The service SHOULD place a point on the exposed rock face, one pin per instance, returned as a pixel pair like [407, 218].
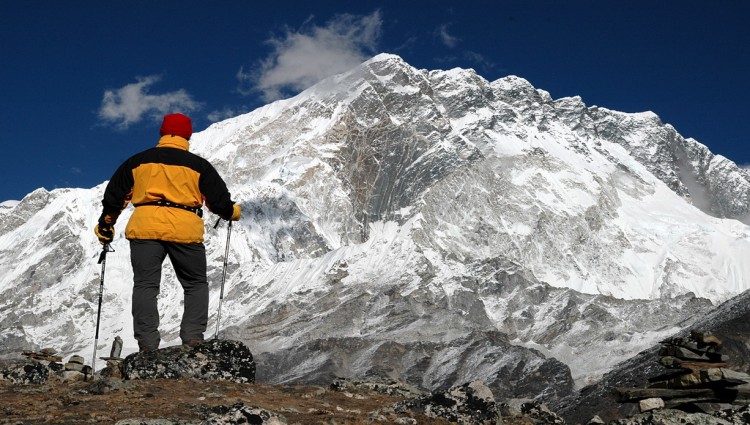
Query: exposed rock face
[729, 323]
[511, 371]
[211, 360]
[698, 381]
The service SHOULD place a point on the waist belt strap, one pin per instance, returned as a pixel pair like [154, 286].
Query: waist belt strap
[165, 203]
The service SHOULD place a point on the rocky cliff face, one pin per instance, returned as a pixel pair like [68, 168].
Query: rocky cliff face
[729, 322]
[426, 225]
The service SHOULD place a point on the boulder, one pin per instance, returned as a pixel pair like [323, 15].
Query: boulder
[241, 414]
[213, 360]
[26, 372]
[380, 385]
[471, 403]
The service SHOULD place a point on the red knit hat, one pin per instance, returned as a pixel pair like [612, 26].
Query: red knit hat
[178, 125]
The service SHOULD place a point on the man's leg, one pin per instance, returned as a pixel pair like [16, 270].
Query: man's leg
[146, 257]
[189, 262]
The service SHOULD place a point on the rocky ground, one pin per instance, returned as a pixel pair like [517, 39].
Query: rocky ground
[214, 383]
[193, 401]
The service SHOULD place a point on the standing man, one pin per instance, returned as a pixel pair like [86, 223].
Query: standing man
[168, 186]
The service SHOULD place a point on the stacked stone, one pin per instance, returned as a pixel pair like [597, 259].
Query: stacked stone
[46, 357]
[114, 361]
[46, 354]
[699, 379]
[44, 365]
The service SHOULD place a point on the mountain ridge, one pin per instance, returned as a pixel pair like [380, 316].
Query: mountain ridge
[388, 205]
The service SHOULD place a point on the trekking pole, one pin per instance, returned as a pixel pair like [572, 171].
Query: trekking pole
[223, 275]
[103, 261]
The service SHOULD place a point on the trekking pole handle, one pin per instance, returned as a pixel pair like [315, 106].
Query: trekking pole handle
[105, 249]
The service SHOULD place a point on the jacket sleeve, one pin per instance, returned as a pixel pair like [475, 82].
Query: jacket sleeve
[117, 194]
[212, 186]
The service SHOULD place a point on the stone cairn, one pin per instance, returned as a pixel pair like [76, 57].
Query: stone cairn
[114, 361]
[46, 364]
[698, 379]
[43, 365]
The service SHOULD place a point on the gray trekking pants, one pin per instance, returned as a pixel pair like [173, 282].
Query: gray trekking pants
[189, 262]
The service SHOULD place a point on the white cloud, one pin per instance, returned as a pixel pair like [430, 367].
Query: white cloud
[222, 114]
[479, 59]
[302, 58]
[447, 39]
[131, 103]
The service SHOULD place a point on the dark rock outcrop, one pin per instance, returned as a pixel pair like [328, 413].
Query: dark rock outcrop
[470, 403]
[240, 414]
[27, 372]
[213, 360]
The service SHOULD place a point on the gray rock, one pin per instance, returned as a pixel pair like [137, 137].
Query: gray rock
[25, 372]
[541, 414]
[649, 404]
[105, 386]
[70, 376]
[468, 403]
[77, 367]
[739, 416]
[383, 386]
[241, 414]
[672, 417]
[75, 362]
[76, 359]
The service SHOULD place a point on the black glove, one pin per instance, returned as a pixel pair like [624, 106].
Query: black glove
[105, 233]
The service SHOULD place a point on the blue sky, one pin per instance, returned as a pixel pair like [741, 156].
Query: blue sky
[84, 84]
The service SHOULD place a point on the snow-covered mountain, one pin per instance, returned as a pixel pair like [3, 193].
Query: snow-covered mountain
[426, 225]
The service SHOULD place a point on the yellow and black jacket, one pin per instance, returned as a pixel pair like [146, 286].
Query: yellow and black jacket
[170, 173]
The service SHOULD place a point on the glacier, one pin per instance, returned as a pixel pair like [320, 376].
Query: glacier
[425, 225]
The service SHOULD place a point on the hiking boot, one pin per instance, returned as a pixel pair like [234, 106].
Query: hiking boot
[143, 348]
[191, 343]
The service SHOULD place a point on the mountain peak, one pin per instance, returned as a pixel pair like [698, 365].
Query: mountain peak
[384, 57]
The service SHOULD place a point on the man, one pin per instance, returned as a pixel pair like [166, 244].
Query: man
[168, 186]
